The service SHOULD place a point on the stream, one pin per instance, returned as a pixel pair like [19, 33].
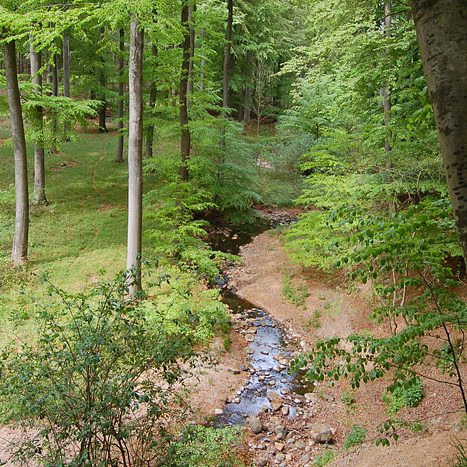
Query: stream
[268, 355]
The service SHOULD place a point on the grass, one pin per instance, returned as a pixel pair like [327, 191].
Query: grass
[294, 293]
[81, 232]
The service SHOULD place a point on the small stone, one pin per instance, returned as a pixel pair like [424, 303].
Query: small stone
[262, 462]
[234, 371]
[249, 338]
[279, 446]
[300, 445]
[264, 351]
[305, 459]
[285, 410]
[218, 412]
[311, 397]
[275, 399]
[255, 425]
[279, 457]
[237, 400]
[280, 432]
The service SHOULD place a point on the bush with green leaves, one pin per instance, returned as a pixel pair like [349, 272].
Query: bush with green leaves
[97, 385]
[325, 458]
[206, 447]
[404, 394]
[356, 437]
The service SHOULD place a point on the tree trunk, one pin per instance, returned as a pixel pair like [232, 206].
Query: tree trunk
[20, 241]
[442, 36]
[102, 112]
[55, 90]
[385, 90]
[186, 136]
[121, 94]
[66, 78]
[247, 106]
[227, 54]
[152, 103]
[135, 156]
[38, 122]
[202, 63]
[192, 12]
[66, 66]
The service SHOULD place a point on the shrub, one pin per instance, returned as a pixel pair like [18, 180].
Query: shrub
[205, 447]
[96, 387]
[325, 458]
[356, 436]
[404, 394]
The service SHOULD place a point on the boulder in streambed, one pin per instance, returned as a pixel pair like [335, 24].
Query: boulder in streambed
[321, 433]
[255, 425]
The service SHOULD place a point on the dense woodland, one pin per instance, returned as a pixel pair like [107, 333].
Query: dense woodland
[133, 133]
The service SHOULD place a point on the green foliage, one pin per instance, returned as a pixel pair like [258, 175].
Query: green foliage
[205, 447]
[356, 437]
[295, 294]
[461, 454]
[99, 376]
[325, 458]
[404, 394]
[349, 399]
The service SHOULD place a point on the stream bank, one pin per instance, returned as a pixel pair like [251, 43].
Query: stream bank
[275, 439]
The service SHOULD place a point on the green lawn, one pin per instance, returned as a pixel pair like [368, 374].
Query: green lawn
[81, 232]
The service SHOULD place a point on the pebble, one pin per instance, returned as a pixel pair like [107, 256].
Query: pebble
[218, 412]
[285, 410]
[279, 446]
[279, 457]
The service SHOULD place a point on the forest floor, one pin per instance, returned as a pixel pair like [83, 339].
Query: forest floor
[328, 311]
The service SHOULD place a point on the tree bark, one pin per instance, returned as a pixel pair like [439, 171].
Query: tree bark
[191, 77]
[102, 112]
[227, 55]
[19, 254]
[66, 66]
[55, 91]
[442, 36]
[186, 136]
[385, 91]
[152, 103]
[247, 105]
[121, 94]
[38, 122]
[135, 156]
[202, 63]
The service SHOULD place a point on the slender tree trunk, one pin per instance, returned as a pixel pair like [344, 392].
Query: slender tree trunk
[66, 78]
[102, 112]
[20, 241]
[38, 121]
[227, 55]
[152, 103]
[192, 12]
[442, 35]
[135, 156]
[66, 66]
[247, 106]
[202, 62]
[184, 121]
[55, 91]
[385, 90]
[121, 91]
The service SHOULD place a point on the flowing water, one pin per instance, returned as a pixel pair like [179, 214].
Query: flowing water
[268, 354]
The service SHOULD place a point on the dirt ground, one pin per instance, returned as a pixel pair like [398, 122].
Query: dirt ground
[260, 280]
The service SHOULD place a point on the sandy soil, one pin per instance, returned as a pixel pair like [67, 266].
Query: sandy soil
[260, 279]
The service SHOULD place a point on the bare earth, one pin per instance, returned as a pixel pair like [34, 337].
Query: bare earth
[259, 279]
